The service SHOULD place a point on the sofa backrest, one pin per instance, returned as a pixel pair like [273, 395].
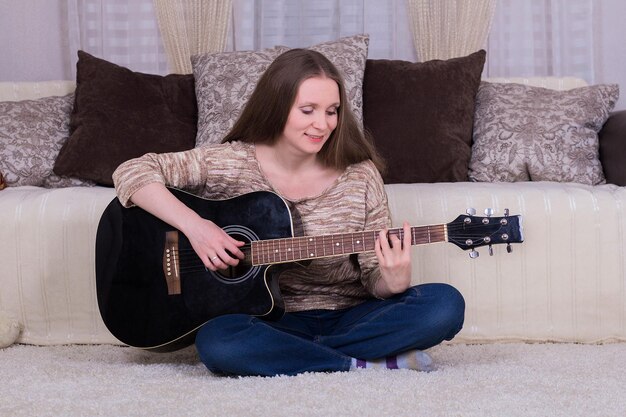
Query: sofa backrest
[31, 90]
[553, 83]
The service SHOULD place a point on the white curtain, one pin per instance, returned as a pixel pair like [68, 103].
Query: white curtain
[542, 38]
[259, 24]
[121, 31]
[190, 27]
[583, 38]
[444, 29]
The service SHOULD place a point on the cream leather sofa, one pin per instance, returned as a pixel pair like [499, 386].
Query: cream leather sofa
[566, 282]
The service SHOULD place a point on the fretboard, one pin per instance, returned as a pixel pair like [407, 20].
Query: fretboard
[293, 249]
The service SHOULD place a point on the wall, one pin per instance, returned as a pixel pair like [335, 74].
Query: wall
[31, 45]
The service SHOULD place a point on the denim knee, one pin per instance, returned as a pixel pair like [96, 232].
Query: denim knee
[446, 307]
[215, 343]
[452, 307]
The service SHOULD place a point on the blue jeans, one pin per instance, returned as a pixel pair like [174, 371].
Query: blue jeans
[327, 340]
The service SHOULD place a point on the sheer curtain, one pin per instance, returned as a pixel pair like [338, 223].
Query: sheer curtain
[121, 31]
[542, 38]
[295, 23]
[527, 38]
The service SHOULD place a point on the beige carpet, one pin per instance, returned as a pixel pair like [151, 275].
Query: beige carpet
[470, 380]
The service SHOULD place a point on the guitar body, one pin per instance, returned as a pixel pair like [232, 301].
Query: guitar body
[133, 295]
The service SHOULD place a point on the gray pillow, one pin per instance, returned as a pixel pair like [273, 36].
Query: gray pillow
[225, 81]
[524, 133]
[31, 135]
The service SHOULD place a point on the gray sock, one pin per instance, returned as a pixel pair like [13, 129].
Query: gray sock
[413, 359]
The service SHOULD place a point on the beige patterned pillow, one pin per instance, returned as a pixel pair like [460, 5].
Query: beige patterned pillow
[31, 135]
[524, 133]
[225, 81]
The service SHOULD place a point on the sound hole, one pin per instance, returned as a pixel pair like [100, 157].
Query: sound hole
[244, 269]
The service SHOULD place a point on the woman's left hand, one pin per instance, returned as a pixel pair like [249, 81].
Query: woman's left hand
[394, 258]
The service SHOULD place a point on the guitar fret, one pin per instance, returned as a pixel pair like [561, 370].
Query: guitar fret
[258, 245]
[289, 249]
[270, 251]
[300, 255]
[284, 252]
[267, 252]
[279, 252]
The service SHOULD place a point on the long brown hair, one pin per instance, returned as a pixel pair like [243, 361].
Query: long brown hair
[264, 117]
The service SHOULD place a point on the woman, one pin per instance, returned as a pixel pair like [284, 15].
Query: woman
[298, 138]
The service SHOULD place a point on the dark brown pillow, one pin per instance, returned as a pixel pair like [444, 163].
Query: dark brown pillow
[421, 116]
[119, 114]
[613, 148]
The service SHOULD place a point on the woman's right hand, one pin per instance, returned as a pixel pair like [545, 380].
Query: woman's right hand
[216, 248]
[212, 244]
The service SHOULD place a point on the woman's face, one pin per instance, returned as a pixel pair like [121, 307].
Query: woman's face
[313, 116]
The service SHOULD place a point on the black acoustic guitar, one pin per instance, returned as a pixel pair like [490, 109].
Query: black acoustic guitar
[154, 292]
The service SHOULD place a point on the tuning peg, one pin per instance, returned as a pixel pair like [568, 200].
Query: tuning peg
[473, 253]
[490, 250]
[509, 249]
[488, 212]
[471, 211]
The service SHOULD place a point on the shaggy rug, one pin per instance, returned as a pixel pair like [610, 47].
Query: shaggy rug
[470, 380]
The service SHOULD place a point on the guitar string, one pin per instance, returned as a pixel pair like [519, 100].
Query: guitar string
[320, 240]
[188, 256]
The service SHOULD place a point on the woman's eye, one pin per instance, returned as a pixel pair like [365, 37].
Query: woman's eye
[306, 111]
[331, 112]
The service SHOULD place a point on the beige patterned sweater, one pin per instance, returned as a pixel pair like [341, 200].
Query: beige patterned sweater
[355, 202]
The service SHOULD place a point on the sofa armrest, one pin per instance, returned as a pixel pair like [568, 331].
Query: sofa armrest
[613, 148]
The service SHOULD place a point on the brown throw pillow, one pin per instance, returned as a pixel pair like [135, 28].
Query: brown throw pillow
[421, 116]
[119, 114]
[613, 148]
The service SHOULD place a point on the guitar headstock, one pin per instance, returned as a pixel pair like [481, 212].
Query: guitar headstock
[469, 232]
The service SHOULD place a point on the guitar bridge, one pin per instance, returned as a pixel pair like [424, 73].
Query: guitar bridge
[171, 264]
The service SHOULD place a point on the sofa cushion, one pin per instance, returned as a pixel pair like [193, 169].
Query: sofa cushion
[31, 134]
[120, 114]
[421, 115]
[524, 133]
[225, 81]
[613, 148]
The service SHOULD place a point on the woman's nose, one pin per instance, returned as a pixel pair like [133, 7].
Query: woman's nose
[320, 122]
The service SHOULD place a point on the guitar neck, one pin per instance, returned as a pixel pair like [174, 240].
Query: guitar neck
[294, 249]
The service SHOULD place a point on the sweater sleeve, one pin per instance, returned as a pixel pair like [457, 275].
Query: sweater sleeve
[377, 218]
[178, 169]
